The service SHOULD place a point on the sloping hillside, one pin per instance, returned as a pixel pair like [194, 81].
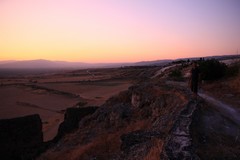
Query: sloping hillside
[157, 118]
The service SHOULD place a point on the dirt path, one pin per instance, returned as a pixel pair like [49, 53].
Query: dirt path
[216, 130]
[163, 70]
[225, 109]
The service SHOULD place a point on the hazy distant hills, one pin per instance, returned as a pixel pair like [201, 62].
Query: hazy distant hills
[46, 64]
[40, 63]
[4, 62]
[157, 62]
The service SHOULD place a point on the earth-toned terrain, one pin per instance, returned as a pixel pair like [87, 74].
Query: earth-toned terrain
[129, 113]
[50, 95]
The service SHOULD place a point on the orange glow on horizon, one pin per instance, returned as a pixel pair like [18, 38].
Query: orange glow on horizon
[106, 31]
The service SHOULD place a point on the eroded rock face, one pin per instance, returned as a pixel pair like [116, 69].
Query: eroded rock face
[21, 138]
[142, 95]
[72, 118]
[119, 113]
[178, 144]
[135, 101]
[109, 117]
[133, 125]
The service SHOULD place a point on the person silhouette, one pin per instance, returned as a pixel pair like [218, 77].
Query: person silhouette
[194, 79]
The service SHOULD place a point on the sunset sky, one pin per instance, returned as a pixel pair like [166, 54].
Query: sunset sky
[117, 30]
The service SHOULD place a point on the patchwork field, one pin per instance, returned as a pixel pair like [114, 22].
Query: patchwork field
[50, 94]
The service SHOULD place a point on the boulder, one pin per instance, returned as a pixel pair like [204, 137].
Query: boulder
[21, 138]
[72, 118]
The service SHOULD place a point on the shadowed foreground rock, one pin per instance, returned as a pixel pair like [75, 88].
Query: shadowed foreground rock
[71, 119]
[21, 138]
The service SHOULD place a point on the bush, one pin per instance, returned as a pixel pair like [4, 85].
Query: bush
[233, 70]
[212, 69]
[176, 74]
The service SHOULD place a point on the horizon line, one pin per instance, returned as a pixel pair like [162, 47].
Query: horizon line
[120, 62]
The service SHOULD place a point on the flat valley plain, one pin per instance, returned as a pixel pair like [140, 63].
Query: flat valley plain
[50, 94]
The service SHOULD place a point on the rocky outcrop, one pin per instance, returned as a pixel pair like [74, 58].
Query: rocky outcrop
[178, 144]
[21, 138]
[132, 125]
[142, 95]
[108, 117]
[154, 119]
[71, 119]
[138, 143]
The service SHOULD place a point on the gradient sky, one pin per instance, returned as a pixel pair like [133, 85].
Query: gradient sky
[117, 30]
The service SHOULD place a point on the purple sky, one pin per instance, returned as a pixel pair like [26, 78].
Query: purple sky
[117, 30]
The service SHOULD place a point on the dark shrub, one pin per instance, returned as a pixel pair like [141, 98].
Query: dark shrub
[212, 69]
[233, 70]
[176, 74]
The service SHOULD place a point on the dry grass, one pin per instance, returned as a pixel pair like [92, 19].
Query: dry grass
[154, 153]
[107, 144]
[235, 83]
[226, 90]
[104, 146]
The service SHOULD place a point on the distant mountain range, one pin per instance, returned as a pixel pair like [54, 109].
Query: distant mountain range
[46, 64]
[40, 63]
[4, 62]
